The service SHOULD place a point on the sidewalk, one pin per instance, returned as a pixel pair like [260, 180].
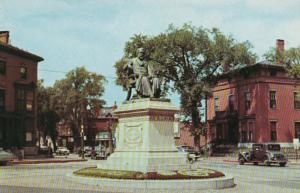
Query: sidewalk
[55, 159]
[235, 160]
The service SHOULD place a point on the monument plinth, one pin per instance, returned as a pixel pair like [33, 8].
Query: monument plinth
[144, 137]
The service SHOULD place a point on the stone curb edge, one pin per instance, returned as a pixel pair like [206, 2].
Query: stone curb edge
[235, 161]
[46, 161]
[197, 184]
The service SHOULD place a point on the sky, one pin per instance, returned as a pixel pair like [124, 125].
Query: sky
[93, 33]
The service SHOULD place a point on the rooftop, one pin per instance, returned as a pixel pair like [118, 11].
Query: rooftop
[5, 46]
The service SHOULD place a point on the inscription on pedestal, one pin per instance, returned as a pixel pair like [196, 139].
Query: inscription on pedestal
[161, 118]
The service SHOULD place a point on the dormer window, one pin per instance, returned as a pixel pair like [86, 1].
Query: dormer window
[273, 72]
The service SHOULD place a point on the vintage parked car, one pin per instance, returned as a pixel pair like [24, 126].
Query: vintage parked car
[263, 153]
[87, 150]
[5, 157]
[62, 151]
[99, 152]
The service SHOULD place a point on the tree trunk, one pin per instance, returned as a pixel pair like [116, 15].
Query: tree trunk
[196, 122]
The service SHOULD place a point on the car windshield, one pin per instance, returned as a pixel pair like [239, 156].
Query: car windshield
[99, 148]
[274, 147]
[257, 146]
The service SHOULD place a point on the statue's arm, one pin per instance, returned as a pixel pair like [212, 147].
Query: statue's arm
[150, 71]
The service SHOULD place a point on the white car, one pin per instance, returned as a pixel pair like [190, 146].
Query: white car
[62, 151]
[5, 157]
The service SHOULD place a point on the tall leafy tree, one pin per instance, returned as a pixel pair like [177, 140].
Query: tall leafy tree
[47, 116]
[190, 59]
[289, 57]
[74, 94]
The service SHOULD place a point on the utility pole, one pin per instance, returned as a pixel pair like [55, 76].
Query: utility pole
[82, 139]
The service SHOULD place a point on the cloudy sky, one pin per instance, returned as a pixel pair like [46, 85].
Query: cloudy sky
[70, 33]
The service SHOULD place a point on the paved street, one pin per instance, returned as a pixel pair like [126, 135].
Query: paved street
[48, 178]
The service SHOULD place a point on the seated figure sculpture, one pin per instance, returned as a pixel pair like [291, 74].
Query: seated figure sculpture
[141, 77]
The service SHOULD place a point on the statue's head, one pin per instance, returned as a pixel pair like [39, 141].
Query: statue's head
[140, 53]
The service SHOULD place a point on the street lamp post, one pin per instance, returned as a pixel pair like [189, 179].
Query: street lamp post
[82, 138]
[83, 111]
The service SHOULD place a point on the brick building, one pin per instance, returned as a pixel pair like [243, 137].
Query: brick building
[101, 128]
[97, 131]
[258, 103]
[65, 136]
[18, 109]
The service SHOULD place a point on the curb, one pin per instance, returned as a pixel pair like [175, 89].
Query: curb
[236, 161]
[197, 184]
[230, 161]
[46, 161]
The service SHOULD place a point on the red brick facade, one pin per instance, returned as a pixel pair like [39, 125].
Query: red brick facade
[18, 109]
[258, 103]
[98, 130]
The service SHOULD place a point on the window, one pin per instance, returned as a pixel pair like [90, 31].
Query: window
[28, 136]
[2, 99]
[244, 136]
[273, 72]
[297, 130]
[23, 72]
[220, 134]
[20, 100]
[247, 100]
[24, 100]
[216, 104]
[29, 101]
[2, 67]
[231, 103]
[273, 125]
[272, 95]
[297, 100]
[250, 131]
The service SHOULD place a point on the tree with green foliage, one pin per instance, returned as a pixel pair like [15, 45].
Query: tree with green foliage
[47, 118]
[189, 59]
[74, 94]
[289, 57]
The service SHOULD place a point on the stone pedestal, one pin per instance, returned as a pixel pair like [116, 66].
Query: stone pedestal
[144, 138]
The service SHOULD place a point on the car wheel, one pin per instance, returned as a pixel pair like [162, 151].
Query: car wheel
[282, 164]
[266, 161]
[241, 161]
[255, 163]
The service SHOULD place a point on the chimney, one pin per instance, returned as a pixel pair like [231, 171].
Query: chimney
[280, 50]
[4, 37]
[280, 45]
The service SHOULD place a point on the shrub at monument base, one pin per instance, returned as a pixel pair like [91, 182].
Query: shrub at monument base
[199, 173]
